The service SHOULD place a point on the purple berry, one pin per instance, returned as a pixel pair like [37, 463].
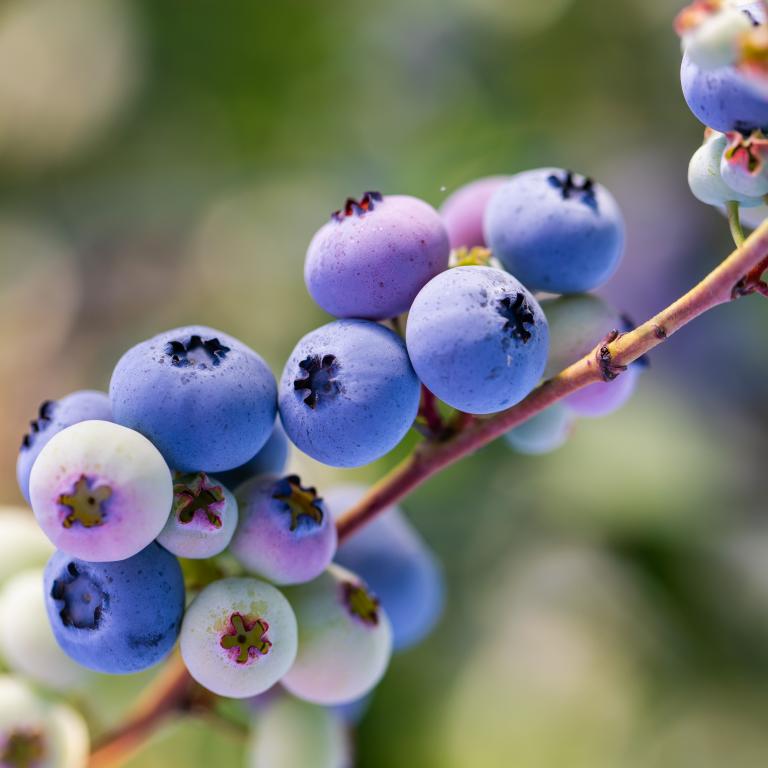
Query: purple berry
[464, 209]
[205, 399]
[52, 417]
[285, 533]
[100, 491]
[270, 460]
[603, 397]
[373, 256]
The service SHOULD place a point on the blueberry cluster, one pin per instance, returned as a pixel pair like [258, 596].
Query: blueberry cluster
[725, 48]
[168, 501]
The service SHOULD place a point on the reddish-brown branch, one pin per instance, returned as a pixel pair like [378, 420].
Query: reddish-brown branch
[430, 415]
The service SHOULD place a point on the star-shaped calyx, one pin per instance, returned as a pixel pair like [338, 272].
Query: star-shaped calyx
[517, 313]
[302, 503]
[82, 598]
[318, 380]
[196, 351]
[246, 639]
[354, 207]
[40, 424]
[747, 152]
[572, 185]
[195, 496]
[86, 503]
[22, 748]
[360, 603]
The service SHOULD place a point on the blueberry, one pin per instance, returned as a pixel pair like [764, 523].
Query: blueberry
[577, 324]
[477, 339]
[285, 533]
[100, 491]
[373, 256]
[345, 639]
[22, 544]
[118, 617]
[544, 433]
[603, 397]
[723, 98]
[239, 637]
[348, 393]
[203, 517]
[396, 563]
[463, 211]
[555, 231]
[205, 399]
[290, 733]
[27, 644]
[52, 417]
[270, 460]
[36, 732]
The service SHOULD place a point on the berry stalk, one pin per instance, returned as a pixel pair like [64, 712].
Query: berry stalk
[739, 274]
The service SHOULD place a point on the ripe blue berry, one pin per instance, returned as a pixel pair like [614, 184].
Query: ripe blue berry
[239, 637]
[374, 255]
[52, 417]
[396, 563]
[348, 393]
[543, 433]
[118, 617]
[464, 209]
[285, 533]
[22, 544]
[477, 339]
[345, 639]
[270, 460]
[555, 231]
[205, 399]
[203, 517]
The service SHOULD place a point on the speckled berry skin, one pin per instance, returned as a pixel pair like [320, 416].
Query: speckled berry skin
[463, 211]
[118, 617]
[52, 417]
[555, 231]
[545, 432]
[239, 637]
[394, 560]
[270, 460]
[285, 533]
[477, 339]
[603, 397]
[348, 393]
[100, 492]
[723, 98]
[205, 399]
[345, 639]
[203, 517]
[373, 256]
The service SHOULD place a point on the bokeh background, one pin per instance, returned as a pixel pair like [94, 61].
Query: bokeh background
[167, 163]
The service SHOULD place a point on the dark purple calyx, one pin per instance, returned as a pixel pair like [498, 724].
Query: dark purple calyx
[40, 424]
[23, 748]
[517, 313]
[303, 504]
[195, 496]
[246, 640]
[86, 503]
[572, 185]
[354, 207]
[83, 599]
[361, 604]
[319, 379]
[196, 351]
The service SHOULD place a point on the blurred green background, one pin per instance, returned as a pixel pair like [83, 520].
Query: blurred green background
[167, 163]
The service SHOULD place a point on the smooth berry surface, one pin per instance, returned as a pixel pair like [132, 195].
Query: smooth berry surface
[52, 417]
[270, 460]
[239, 637]
[205, 399]
[603, 397]
[22, 544]
[203, 517]
[397, 564]
[463, 211]
[555, 231]
[100, 491]
[118, 617]
[545, 432]
[348, 393]
[345, 639]
[285, 532]
[373, 256]
[477, 339]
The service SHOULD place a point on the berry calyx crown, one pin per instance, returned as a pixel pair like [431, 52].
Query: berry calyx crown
[196, 351]
[360, 603]
[319, 379]
[304, 505]
[246, 640]
[354, 207]
[195, 496]
[40, 424]
[517, 313]
[86, 503]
